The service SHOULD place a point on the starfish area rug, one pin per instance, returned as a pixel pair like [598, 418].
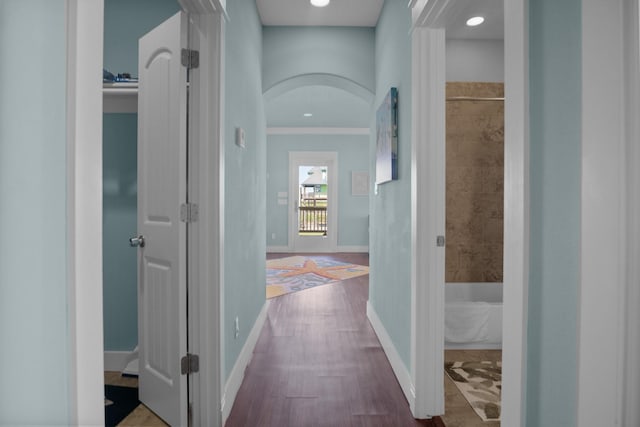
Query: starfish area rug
[297, 273]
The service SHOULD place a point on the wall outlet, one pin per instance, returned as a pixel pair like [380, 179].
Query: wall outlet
[273, 236]
[237, 327]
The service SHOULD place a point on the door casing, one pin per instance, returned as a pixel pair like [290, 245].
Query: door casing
[314, 158]
[84, 227]
[429, 19]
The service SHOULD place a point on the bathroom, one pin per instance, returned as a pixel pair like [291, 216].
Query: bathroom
[474, 211]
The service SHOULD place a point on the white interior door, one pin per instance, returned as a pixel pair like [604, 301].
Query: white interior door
[313, 201]
[162, 185]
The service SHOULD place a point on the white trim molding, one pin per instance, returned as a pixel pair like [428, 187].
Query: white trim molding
[340, 249]
[602, 309]
[206, 188]
[516, 213]
[435, 14]
[315, 79]
[278, 249]
[117, 360]
[237, 373]
[317, 131]
[313, 158]
[631, 392]
[427, 220]
[84, 210]
[353, 249]
[397, 365]
[204, 7]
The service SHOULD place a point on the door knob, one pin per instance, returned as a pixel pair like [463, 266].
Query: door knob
[137, 241]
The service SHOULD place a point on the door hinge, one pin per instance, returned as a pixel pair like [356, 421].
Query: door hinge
[190, 364]
[440, 241]
[189, 212]
[190, 58]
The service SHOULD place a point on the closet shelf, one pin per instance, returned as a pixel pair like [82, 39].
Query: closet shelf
[120, 97]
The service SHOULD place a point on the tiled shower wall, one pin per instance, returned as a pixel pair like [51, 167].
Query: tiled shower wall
[474, 183]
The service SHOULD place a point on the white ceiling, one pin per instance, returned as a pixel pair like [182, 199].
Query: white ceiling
[365, 13]
[491, 29]
[341, 13]
[336, 108]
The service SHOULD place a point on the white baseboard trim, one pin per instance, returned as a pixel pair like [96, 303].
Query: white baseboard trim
[286, 249]
[116, 360]
[399, 369]
[278, 249]
[317, 131]
[237, 373]
[363, 249]
[472, 346]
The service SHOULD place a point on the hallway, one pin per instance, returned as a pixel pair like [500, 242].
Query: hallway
[318, 362]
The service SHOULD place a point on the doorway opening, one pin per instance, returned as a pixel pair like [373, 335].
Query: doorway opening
[313, 202]
[474, 214]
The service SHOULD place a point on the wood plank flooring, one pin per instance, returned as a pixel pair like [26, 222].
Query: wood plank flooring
[318, 362]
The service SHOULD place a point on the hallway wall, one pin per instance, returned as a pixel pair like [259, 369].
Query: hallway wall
[475, 60]
[353, 211]
[245, 169]
[296, 51]
[555, 172]
[34, 330]
[390, 239]
[349, 54]
[119, 223]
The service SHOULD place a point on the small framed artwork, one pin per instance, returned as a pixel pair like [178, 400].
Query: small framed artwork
[387, 138]
[359, 183]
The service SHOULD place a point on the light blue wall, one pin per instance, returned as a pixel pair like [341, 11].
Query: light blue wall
[390, 239]
[34, 342]
[125, 22]
[353, 211]
[120, 176]
[555, 91]
[245, 170]
[295, 51]
[475, 60]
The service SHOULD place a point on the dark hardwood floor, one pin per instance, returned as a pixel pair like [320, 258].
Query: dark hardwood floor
[318, 362]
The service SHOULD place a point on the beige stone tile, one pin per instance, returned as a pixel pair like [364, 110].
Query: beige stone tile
[493, 179]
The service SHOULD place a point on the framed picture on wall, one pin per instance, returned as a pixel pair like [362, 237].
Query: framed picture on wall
[359, 183]
[387, 138]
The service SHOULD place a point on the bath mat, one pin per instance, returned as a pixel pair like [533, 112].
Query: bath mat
[118, 403]
[481, 384]
[297, 273]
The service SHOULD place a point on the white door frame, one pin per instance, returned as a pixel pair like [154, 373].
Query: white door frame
[427, 342]
[608, 315]
[312, 158]
[84, 210]
[85, 20]
[631, 393]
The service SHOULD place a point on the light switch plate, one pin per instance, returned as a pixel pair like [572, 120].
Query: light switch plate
[240, 137]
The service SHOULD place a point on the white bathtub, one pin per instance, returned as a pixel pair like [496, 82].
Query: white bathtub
[473, 316]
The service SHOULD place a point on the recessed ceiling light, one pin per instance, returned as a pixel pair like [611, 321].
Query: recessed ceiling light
[308, 115]
[476, 20]
[320, 3]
